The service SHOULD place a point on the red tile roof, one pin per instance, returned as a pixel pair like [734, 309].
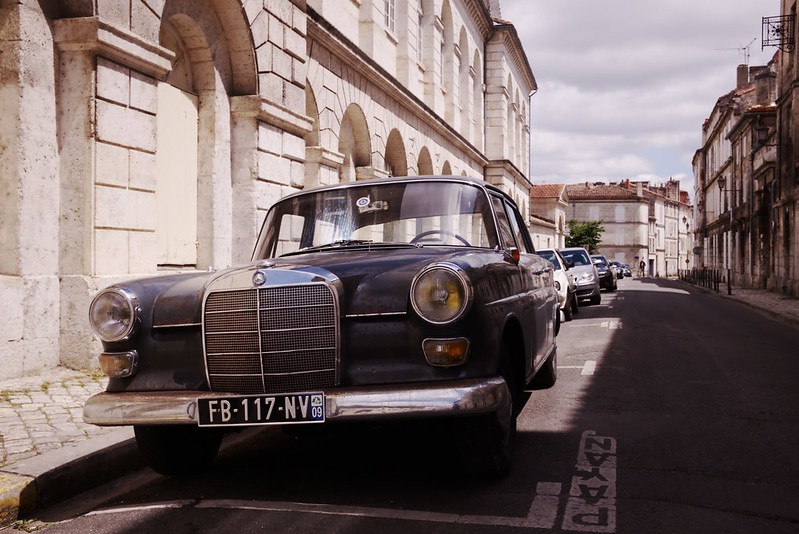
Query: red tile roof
[600, 191]
[546, 191]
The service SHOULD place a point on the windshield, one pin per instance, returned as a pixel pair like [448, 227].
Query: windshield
[414, 213]
[576, 257]
[550, 255]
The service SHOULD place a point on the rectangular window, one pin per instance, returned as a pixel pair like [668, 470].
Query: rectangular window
[420, 17]
[390, 15]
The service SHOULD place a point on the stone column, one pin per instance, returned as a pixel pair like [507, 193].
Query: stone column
[29, 193]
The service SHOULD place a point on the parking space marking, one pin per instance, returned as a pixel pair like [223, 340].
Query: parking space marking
[586, 369]
[613, 324]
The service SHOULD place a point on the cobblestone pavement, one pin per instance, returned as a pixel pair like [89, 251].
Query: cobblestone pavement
[42, 413]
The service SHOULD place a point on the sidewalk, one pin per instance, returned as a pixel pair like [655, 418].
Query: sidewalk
[47, 452]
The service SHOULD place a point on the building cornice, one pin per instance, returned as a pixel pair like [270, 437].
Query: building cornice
[506, 35]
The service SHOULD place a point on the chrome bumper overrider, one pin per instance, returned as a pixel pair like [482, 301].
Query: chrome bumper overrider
[461, 397]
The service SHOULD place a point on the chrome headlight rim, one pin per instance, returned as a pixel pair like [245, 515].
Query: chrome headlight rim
[130, 302]
[462, 278]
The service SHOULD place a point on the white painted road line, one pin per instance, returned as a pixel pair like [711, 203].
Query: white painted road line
[613, 324]
[586, 369]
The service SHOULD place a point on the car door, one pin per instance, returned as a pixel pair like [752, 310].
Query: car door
[540, 297]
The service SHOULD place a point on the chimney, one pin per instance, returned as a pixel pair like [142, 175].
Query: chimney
[743, 76]
[639, 190]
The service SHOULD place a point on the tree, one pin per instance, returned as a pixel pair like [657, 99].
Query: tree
[585, 234]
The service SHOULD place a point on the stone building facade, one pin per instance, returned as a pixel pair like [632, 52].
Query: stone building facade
[550, 202]
[624, 214]
[151, 136]
[642, 221]
[739, 202]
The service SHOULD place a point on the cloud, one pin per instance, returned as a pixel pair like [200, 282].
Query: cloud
[624, 87]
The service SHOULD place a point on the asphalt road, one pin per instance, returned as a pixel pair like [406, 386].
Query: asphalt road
[674, 411]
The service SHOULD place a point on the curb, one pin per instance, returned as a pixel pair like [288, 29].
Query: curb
[56, 475]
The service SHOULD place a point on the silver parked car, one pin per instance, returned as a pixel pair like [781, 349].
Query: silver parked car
[564, 282]
[585, 274]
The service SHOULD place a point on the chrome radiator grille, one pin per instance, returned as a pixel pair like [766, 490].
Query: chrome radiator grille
[272, 339]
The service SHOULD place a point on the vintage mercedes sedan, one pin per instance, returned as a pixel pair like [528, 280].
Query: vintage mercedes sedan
[375, 300]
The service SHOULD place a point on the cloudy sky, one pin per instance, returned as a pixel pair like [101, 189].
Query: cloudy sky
[624, 85]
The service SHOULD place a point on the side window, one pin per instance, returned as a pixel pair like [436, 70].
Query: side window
[517, 225]
[505, 231]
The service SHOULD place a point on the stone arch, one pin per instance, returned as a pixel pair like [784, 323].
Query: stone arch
[425, 162]
[222, 46]
[353, 143]
[446, 169]
[396, 158]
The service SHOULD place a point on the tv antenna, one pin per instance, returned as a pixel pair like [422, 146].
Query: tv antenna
[743, 50]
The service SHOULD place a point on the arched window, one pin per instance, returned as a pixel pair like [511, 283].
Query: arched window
[353, 143]
[478, 110]
[396, 160]
[425, 162]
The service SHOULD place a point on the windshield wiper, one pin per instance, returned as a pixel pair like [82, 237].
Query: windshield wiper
[345, 243]
[338, 244]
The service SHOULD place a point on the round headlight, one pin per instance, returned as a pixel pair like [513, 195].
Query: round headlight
[113, 314]
[441, 293]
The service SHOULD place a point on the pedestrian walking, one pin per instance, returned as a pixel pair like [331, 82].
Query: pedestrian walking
[642, 268]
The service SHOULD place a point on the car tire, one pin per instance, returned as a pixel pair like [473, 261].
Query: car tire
[568, 311]
[177, 449]
[486, 442]
[547, 376]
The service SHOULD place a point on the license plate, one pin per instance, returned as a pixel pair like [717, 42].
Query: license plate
[262, 409]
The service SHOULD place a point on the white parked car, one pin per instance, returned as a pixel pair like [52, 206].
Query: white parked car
[564, 282]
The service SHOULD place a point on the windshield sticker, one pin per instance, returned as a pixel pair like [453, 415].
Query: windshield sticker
[365, 205]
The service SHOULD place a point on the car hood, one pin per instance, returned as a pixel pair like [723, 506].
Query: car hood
[369, 282]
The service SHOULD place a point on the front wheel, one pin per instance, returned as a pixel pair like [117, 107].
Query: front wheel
[177, 449]
[486, 442]
[568, 309]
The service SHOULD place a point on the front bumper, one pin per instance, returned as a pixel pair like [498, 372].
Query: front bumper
[453, 398]
[588, 290]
